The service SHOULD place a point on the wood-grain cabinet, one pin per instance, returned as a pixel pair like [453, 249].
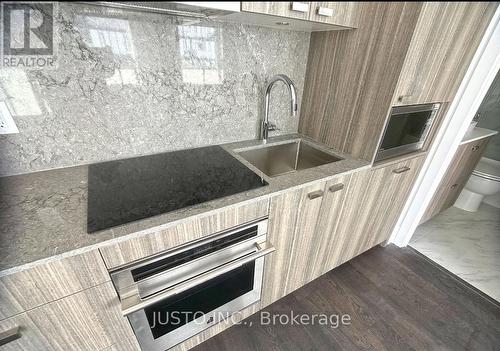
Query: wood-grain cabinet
[401, 53]
[444, 41]
[291, 229]
[88, 320]
[64, 304]
[374, 201]
[461, 167]
[351, 76]
[317, 228]
[43, 283]
[337, 13]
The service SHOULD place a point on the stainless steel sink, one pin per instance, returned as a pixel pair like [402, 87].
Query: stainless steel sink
[277, 159]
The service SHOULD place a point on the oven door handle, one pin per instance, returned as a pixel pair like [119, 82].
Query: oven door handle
[134, 303]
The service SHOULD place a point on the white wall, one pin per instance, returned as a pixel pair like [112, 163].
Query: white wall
[490, 118]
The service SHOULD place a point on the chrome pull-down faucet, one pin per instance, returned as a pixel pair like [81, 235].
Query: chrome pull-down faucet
[266, 126]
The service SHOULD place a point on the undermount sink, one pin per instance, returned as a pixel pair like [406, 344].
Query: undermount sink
[278, 159]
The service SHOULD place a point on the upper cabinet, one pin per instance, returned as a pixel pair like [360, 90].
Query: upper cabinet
[445, 39]
[318, 14]
[351, 76]
[401, 53]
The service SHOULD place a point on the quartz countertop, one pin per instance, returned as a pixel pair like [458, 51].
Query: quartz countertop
[476, 134]
[43, 215]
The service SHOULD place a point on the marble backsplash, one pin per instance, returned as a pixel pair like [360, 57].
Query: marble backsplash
[131, 83]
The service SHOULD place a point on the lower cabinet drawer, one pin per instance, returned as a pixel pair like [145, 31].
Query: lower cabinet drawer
[50, 281]
[88, 320]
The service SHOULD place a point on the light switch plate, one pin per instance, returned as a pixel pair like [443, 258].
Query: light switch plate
[7, 124]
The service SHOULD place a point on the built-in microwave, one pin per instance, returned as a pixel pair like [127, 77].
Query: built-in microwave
[406, 130]
[172, 296]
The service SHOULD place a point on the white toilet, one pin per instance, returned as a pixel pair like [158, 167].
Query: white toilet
[484, 181]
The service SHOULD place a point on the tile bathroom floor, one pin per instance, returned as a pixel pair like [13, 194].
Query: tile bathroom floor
[465, 243]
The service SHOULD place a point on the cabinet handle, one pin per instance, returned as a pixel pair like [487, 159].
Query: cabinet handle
[475, 147]
[401, 170]
[336, 187]
[453, 186]
[9, 335]
[325, 11]
[300, 6]
[315, 194]
[402, 97]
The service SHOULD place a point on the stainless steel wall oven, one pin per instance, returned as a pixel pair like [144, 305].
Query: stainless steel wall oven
[176, 294]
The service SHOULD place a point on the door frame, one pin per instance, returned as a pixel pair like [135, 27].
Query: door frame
[480, 74]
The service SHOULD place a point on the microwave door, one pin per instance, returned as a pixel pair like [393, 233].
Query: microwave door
[406, 130]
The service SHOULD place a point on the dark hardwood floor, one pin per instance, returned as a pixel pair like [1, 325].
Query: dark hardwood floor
[396, 299]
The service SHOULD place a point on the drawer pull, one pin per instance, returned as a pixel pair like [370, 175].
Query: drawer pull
[9, 335]
[336, 187]
[403, 97]
[475, 147]
[325, 11]
[300, 6]
[401, 170]
[315, 194]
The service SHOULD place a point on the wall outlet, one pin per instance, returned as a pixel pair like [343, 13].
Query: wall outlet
[7, 124]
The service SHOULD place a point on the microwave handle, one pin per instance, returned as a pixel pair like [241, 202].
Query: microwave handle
[134, 303]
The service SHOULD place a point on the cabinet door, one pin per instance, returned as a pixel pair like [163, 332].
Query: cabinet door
[373, 202]
[88, 320]
[290, 9]
[397, 182]
[329, 222]
[341, 13]
[292, 223]
[362, 193]
[443, 44]
[461, 167]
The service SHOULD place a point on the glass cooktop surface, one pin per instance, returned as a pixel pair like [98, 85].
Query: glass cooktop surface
[127, 190]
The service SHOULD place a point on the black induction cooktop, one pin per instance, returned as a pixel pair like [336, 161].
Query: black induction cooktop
[131, 189]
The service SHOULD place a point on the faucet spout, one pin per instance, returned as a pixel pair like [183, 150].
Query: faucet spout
[265, 125]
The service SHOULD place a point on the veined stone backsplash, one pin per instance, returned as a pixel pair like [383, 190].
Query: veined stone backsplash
[131, 83]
